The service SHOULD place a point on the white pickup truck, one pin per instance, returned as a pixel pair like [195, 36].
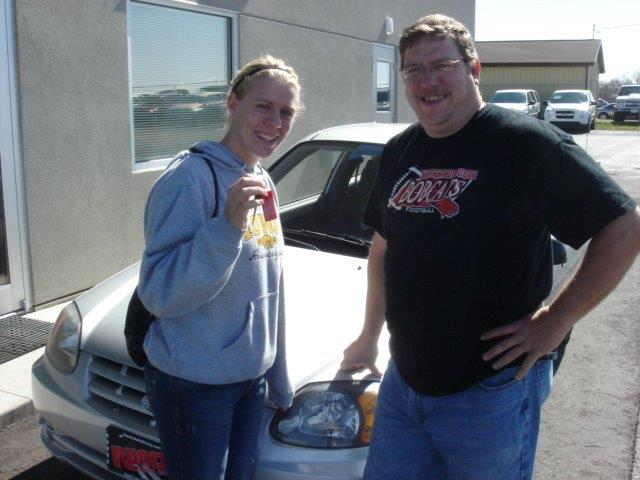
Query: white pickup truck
[627, 104]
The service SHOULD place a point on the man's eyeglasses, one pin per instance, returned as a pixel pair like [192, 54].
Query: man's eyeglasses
[436, 69]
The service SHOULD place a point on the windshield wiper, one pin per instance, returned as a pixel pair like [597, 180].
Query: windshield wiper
[353, 238]
[347, 239]
[299, 243]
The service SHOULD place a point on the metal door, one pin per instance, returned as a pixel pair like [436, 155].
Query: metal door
[12, 262]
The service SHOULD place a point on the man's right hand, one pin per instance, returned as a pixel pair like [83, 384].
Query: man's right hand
[361, 354]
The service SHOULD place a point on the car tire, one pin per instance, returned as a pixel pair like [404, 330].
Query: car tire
[603, 116]
[618, 117]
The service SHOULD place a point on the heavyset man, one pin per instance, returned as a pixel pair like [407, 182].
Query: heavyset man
[463, 208]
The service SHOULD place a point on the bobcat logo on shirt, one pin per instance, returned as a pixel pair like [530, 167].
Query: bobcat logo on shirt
[430, 190]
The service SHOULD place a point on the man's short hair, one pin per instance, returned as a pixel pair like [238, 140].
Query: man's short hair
[439, 27]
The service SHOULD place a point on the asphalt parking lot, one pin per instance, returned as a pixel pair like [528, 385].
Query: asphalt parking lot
[590, 423]
[619, 154]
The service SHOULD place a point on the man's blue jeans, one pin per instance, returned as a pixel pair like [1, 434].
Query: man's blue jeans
[487, 432]
[206, 431]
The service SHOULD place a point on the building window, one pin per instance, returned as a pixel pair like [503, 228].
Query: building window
[181, 64]
[383, 87]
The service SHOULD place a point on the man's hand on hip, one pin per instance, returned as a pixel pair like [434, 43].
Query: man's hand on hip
[533, 336]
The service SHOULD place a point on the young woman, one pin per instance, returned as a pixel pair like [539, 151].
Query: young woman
[211, 273]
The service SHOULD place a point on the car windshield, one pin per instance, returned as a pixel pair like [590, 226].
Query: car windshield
[323, 188]
[509, 97]
[569, 97]
[628, 90]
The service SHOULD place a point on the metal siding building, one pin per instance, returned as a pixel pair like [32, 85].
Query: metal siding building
[78, 191]
[543, 65]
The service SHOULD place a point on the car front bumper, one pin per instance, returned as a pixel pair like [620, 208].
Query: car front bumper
[74, 430]
[568, 123]
[628, 114]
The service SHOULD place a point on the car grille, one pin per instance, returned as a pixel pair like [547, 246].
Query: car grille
[569, 114]
[633, 104]
[120, 388]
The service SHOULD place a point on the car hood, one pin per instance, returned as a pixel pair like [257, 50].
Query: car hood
[325, 300]
[513, 106]
[570, 106]
[631, 96]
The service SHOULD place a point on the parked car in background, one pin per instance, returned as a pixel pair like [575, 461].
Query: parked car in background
[627, 103]
[525, 101]
[175, 91]
[147, 110]
[606, 111]
[572, 108]
[601, 102]
[209, 89]
[91, 399]
[183, 110]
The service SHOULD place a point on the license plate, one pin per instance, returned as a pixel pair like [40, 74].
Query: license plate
[128, 454]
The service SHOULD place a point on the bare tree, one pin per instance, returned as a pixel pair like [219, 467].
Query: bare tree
[609, 90]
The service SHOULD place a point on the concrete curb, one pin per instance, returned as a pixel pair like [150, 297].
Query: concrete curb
[15, 388]
[20, 412]
[15, 375]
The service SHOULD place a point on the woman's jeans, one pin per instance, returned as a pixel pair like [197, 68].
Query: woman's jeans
[487, 432]
[206, 431]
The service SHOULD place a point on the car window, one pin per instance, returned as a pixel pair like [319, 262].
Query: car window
[508, 97]
[323, 188]
[628, 90]
[307, 171]
[569, 97]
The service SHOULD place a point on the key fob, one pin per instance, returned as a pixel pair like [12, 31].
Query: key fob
[269, 209]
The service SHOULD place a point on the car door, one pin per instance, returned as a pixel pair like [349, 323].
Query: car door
[533, 106]
[592, 106]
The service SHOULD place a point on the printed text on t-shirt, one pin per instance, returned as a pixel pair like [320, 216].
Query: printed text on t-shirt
[431, 190]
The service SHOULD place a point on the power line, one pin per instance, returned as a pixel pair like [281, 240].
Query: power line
[517, 6]
[612, 27]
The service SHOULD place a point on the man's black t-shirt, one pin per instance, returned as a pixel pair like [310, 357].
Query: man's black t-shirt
[467, 220]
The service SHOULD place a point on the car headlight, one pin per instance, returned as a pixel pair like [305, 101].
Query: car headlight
[336, 414]
[64, 342]
[548, 111]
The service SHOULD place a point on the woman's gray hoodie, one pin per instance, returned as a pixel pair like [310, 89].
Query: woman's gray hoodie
[216, 291]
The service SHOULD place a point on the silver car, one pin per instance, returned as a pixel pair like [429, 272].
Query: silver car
[519, 100]
[91, 398]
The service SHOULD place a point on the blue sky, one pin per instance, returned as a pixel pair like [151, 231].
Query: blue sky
[617, 25]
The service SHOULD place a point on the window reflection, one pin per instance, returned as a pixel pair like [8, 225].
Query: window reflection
[180, 70]
[383, 86]
[4, 266]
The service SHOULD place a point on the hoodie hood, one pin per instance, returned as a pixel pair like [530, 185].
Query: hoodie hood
[222, 155]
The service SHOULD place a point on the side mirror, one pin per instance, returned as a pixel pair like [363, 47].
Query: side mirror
[558, 252]
[545, 103]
